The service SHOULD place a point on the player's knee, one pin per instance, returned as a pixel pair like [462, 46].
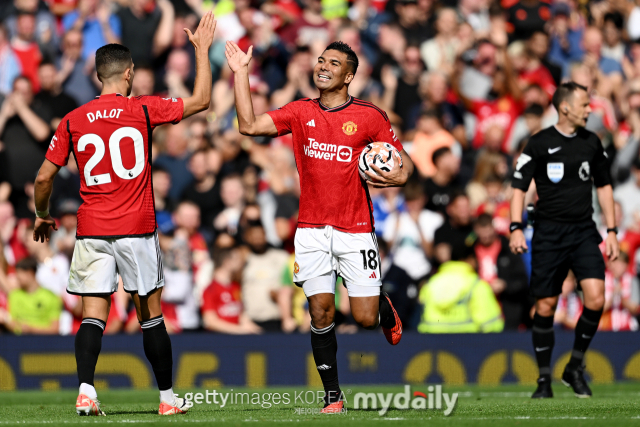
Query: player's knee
[594, 302]
[368, 321]
[321, 317]
[546, 310]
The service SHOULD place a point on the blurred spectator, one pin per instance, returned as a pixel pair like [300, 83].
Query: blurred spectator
[456, 232]
[261, 279]
[32, 309]
[177, 78]
[613, 47]
[628, 195]
[457, 300]
[232, 194]
[222, 308]
[410, 234]
[24, 129]
[309, 28]
[10, 66]
[147, 28]
[538, 46]
[75, 70]
[434, 91]
[406, 85]
[442, 184]
[504, 272]
[53, 267]
[144, 82]
[294, 309]
[566, 37]
[440, 52]
[430, 136]
[621, 297]
[527, 17]
[46, 34]
[64, 239]
[164, 206]
[385, 201]
[204, 191]
[52, 96]
[26, 49]
[93, 18]
[175, 160]
[416, 19]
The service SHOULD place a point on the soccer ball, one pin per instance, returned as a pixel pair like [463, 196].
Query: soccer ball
[379, 154]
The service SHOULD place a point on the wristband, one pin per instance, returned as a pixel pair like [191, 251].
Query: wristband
[516, 226]
[612, 230]
[42, 214]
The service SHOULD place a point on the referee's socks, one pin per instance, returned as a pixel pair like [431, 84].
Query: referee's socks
[585, 330]
[543, 341]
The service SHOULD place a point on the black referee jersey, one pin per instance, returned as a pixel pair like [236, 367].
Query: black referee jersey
[563, 167]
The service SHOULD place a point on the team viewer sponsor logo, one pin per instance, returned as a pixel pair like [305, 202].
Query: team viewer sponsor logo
[322, 151]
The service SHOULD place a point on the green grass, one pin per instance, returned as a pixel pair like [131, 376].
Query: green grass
[612, 405]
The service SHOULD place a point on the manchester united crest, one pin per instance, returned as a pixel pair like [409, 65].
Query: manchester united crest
[349, 128]
[296, 268]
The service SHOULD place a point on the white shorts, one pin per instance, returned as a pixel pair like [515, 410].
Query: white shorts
[96, 264]
[353, 256]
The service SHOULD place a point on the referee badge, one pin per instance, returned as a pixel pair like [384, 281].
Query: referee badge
[555, 172]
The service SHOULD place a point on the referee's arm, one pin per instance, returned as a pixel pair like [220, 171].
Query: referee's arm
[602, 181]
[521, 181]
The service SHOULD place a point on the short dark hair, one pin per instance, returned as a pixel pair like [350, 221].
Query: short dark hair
[484, 220]
[616, 19]
[220, 255]
[565, 92]
[352, 58]
[439, 153]
[534, 109]
[112, 59]
[27, 264]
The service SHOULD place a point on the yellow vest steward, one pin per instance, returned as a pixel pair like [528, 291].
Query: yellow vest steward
[456, 300]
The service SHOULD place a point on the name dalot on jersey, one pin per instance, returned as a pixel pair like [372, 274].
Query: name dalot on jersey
[112, 114]
[322, 151]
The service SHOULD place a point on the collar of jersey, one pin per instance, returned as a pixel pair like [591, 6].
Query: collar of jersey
[109, 94]
[565, 134]
[338, 108]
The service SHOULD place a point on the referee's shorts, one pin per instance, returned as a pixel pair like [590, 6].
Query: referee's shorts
[558, 247]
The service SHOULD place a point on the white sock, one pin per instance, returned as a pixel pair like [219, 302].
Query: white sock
[167, 396]
[89, 390]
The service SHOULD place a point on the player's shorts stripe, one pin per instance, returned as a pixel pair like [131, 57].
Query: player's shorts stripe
[159, 257]
[370, 105]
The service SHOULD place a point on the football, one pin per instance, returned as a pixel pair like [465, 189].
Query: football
[379, 154]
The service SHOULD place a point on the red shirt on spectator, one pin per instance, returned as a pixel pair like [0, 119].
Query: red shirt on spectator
[224, 300]
[488, 260]
[541, 77]
[30, 57]
[502, 112]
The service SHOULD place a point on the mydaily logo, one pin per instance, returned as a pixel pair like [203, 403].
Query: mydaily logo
[433, 399]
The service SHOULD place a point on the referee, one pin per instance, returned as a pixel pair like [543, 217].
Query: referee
[565, 161]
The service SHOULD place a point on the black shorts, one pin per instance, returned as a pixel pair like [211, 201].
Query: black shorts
[558, 247]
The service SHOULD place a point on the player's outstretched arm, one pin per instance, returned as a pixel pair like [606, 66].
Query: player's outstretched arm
[396, 177]
[248, 123]
[42, 193]
[201, 41]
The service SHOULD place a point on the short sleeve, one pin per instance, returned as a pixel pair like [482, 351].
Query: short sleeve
[525, 167]
[600, 167]
[60, 145]
[283, 118]
[209, 299]
[384, 133]
[163, 110]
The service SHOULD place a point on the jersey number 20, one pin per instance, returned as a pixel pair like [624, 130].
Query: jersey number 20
[116, 156]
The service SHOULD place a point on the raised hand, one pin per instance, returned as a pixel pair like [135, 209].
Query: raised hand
[203, 37]
[236, 58]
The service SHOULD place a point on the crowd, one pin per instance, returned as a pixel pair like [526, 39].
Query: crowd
[465, 83]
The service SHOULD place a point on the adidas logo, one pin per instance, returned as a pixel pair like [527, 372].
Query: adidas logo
[373, 276]
[323, 367]
[312, 123]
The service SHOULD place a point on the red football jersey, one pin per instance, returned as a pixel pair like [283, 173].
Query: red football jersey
[111, 140]
[326, 144]
[225, 300]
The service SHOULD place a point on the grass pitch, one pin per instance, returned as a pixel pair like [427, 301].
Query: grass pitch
[612, 405]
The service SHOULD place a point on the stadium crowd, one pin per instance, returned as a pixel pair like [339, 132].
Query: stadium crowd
[465, 83]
